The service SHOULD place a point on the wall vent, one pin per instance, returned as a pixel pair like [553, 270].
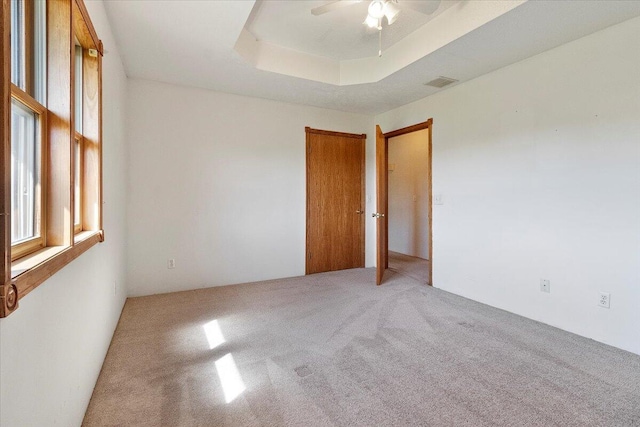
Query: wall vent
[441, 82]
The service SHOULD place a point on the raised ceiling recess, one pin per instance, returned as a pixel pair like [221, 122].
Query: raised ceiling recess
[327, 41]
[279, 50]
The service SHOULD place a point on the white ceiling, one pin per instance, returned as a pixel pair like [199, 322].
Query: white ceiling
[194, 43]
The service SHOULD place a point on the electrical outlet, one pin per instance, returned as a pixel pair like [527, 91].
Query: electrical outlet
[171, 263]
[545, 285]
[604, 299]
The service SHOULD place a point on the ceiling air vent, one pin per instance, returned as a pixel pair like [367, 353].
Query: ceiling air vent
[441, 82]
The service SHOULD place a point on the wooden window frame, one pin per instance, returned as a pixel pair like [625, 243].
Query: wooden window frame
[62, 240]
[38, 242]
[26, 97]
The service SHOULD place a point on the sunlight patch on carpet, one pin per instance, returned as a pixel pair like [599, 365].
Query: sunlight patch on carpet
[214, 334]
[232, 383]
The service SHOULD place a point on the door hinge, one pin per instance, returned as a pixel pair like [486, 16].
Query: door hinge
[309, 255]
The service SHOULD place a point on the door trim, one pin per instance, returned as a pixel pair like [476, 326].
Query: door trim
[409, 129]
[309, 131]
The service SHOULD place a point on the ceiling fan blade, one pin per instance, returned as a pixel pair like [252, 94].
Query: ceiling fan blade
[426, 7]
[331, 6]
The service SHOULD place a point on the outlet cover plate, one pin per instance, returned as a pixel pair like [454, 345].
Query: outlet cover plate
[604, 300]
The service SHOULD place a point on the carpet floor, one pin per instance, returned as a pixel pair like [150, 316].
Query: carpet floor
[408, 265]
[332, 349]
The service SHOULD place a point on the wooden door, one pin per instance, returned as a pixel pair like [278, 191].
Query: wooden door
[382, 175]
[381, 202]
[335, 200]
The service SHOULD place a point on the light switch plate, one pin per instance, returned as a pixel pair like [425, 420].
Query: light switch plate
[438, 199]
[545, 285]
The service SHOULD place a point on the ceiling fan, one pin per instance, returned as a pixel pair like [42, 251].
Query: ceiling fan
[379, 9]
[426, 7]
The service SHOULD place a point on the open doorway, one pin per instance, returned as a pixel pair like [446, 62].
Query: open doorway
[415, 266]
[408, 204]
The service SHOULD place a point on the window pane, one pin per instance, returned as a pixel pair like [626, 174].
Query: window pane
[78, 89]
[17, 43]
[25, 173]
[76, 183]
[40, 51]
[29, 61]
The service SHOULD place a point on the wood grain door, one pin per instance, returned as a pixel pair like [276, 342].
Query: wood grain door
[382, 202]
[382, 185]
[335, 200]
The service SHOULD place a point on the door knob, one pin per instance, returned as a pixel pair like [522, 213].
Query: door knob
[377, 215]
[359, 212]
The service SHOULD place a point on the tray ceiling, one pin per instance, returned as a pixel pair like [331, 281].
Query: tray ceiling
[239, 46]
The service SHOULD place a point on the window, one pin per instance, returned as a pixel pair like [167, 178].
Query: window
[78, 154]
[17, 43]
[28, 118]
[26, 173]
[50, 123]
[28, 47]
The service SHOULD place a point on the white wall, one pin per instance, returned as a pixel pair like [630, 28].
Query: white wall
[52, 347]
[218, 182]
[539, 166]
[409, 194]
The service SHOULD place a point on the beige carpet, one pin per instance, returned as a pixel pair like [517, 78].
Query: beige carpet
[334, 350]
[414, 267]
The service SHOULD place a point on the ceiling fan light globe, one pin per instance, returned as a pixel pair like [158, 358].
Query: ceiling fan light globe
[391, 12]
[371, 22]
[376, 9]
